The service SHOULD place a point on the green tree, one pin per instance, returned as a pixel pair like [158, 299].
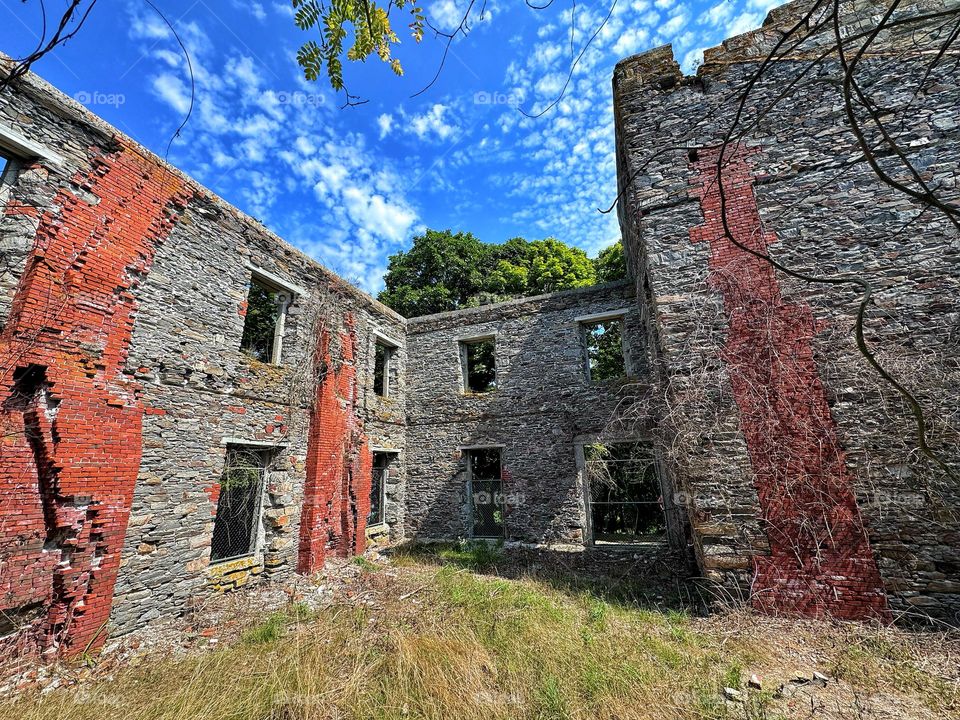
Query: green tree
[605, 350]
[509, 268]
[442, 271]
[611, 264]
[445, 271]
[554, 265]
[260, 323]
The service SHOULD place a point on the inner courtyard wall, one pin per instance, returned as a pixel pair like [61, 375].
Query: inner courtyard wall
[123, 384]
[542, 406]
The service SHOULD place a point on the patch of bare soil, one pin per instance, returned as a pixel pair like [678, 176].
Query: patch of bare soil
[840, 671]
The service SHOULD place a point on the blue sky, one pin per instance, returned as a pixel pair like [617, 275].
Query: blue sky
[352, 186]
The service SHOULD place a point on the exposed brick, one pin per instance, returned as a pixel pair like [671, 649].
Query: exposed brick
[820, 561]
[70, 418]
[336, 498]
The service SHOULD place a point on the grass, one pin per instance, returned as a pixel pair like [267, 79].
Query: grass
[477, 555]
[274, 627]
[875, 662]
[364, 564]
[440, 641]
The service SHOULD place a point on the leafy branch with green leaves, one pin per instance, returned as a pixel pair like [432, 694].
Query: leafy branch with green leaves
[366, 21]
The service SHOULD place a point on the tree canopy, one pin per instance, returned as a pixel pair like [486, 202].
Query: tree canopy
[444, 270]
[611, 264]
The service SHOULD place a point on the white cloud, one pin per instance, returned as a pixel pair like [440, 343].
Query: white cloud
[631, 42]
[433, 123]
[271, 151]
[149, 27]
[692, 59]
[377, 215]
[251, 6]
[447, 14]
[173, 91]
[545, 54]
[744, 22]
[385, 123]
[674, 24]
[717, 14]
[244, 71]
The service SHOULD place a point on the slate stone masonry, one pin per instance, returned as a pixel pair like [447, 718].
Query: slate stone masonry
[787, 465]
[802, 468]
[124, 383]
[542, 406]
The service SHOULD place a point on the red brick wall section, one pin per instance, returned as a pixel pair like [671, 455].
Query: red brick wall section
[70, 418]
[339, 465]
[820, 561]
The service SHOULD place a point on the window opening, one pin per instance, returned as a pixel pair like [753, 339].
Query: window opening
[626, 500]
[605, 357]
[486, 492]
[381, 369]
[378, 486]
[238, 506]
[8, 168]
[479, 365]
[263, 323]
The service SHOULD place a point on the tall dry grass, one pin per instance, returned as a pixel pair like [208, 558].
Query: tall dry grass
[444, 643]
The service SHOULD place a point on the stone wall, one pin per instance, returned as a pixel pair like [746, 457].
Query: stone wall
[542, 405]
[122, 384]
[802, 468]
[123, 296]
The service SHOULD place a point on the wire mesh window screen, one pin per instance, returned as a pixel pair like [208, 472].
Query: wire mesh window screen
[486, 492]
[238, 507]
[378, 485]
[626, 502]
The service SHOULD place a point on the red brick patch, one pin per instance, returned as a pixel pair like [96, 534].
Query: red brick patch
[820, 560]
[339, 465]
[70, 419]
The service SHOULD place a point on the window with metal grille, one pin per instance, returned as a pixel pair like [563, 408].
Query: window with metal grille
[238, 507]
[378, 486]
[263, 324]
[486, 492]
[625, 497]
[478, 359]
[605, 356]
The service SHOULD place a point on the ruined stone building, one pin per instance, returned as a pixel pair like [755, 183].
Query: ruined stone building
[187, 403]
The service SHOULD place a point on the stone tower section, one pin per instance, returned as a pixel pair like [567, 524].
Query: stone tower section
[799, 465]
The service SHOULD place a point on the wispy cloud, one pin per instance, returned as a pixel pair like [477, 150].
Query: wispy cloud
[352, 188]
[263, 145]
